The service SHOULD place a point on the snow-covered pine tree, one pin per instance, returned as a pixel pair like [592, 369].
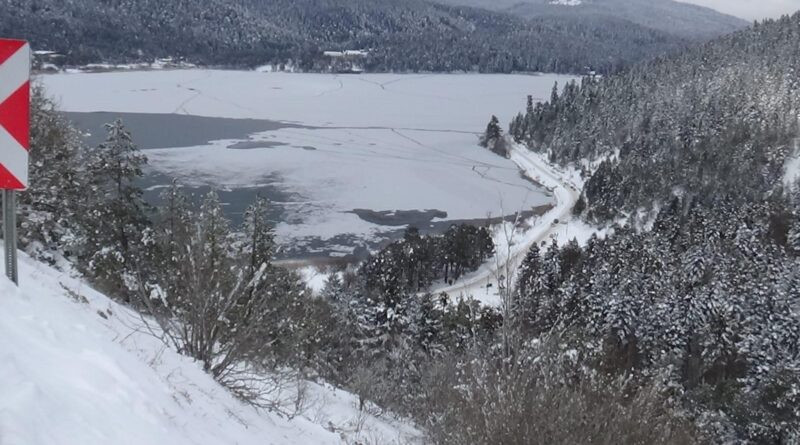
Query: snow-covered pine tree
[213, 250]
[529, 110]
[259, 243]
[254, 261]
[530, 288]
[115, 215]
[167, 258]
[493, 137]
[517, 128]
[49, 208]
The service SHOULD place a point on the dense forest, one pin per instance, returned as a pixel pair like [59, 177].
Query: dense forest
[405, 35]
[681, 19]
[713, 123]
[701, 282]
[677, 18]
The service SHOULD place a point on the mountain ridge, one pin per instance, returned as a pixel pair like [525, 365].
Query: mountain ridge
[680, 19]
[402, 36]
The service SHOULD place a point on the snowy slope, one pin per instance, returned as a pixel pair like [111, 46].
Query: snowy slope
[74, 369]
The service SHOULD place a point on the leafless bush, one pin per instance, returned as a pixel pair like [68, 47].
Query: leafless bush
[282, 391]
[548, 398]
[218, 299]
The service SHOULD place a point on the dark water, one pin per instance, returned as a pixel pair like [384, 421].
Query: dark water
[234, 202]
[151, 131]
[172, 130]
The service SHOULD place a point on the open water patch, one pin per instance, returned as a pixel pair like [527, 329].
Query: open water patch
[152, 130]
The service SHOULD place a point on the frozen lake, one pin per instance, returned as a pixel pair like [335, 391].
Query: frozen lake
[347, 160]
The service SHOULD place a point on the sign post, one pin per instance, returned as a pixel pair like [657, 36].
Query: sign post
[15, 65]
[10, 234]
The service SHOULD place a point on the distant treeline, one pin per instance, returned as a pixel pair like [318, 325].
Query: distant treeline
[401, 35]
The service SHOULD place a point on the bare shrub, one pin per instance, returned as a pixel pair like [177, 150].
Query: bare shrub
[546, 397]
[217, 298]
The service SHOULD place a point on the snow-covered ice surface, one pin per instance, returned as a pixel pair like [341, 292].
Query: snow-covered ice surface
[381, 142]
[433, 101]
[74, 370]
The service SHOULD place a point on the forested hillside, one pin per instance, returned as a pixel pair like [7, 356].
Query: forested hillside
[404, 35]
[676, 18]
[717, 120]
[701, 287]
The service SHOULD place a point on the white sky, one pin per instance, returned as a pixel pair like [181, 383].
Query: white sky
[751, 9]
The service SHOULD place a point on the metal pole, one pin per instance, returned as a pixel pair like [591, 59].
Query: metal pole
[10, 234]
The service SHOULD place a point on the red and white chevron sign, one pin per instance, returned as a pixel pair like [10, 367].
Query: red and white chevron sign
[15, 61]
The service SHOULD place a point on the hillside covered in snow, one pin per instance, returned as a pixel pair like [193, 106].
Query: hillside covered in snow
[78, 369]
[399, 35]
[672, 17]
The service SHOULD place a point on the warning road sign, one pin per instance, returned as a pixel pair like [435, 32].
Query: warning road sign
[15, 60]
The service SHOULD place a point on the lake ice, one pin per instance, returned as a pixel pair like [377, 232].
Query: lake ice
[374, 142]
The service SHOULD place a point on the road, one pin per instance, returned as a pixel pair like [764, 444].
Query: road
[483, 283]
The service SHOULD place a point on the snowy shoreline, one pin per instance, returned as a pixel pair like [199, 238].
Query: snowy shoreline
[512, 243]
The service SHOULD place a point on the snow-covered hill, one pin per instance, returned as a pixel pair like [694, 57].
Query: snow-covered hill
[401, 35]
[675, 18]
[77, 368]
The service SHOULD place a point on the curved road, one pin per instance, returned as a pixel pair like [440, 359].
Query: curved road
[476, 284]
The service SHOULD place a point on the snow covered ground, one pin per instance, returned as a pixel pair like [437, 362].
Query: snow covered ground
[381, 142]
[77, 369]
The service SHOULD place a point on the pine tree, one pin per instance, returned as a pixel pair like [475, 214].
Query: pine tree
[115, 216]
[530, 290]
[517, 128]
[50, 206]
[554, 96]
[213, 248]
[580, 206]
[255, 259]
[168, 257]
[335, 291]
[259, 244]
[493, 137]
